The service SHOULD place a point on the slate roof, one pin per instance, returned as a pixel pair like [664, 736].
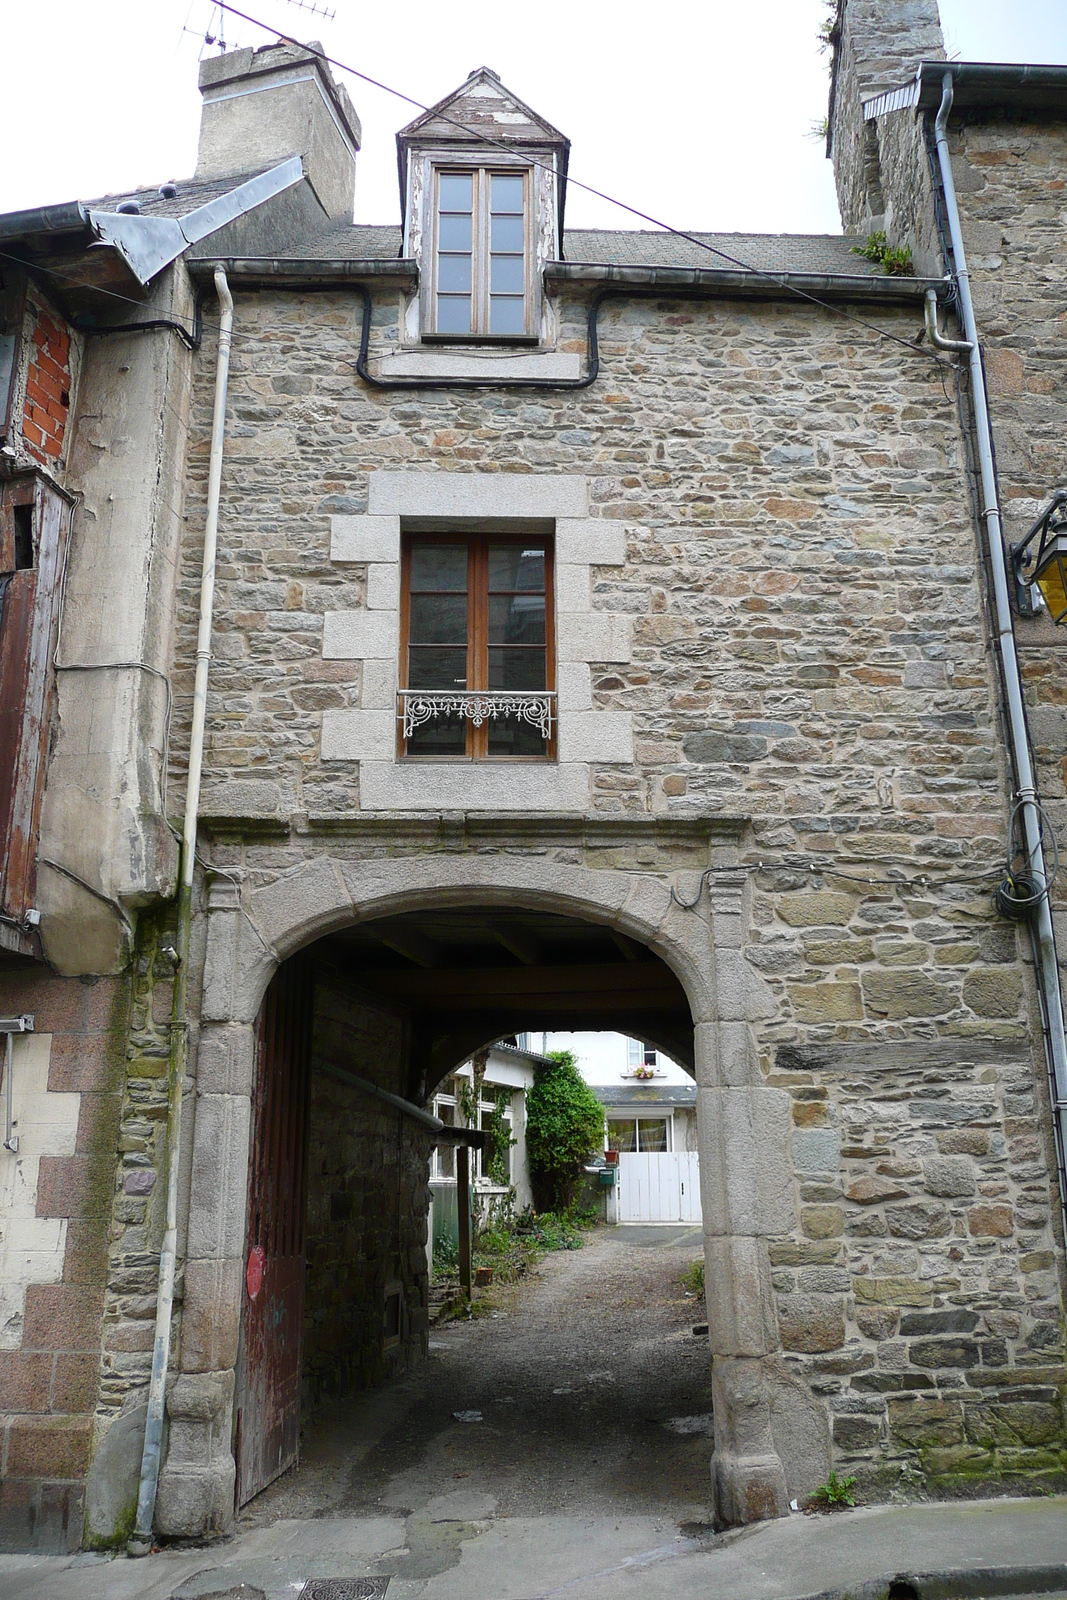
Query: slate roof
[648, 1094]
[765, 252]
[190, 195]
[358, 242]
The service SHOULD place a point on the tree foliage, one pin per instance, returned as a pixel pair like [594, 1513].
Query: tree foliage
[564, 1126]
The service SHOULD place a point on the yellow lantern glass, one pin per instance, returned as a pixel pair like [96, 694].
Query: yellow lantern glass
[1051, 576]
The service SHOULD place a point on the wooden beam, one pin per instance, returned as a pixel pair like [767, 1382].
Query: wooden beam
[638, 985]
[410, 944]
[523, 946]
[629, 947]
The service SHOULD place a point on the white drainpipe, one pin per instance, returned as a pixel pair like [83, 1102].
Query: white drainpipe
[1045, 962]
[141, 1542]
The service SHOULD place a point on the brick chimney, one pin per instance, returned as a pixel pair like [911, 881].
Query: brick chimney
[877, 46]
[261, 106]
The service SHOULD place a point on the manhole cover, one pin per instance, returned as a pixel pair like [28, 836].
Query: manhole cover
[344, 1589]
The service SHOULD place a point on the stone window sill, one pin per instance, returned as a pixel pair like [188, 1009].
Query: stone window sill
[508, 361]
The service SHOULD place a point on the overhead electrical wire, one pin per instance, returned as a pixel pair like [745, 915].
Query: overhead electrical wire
[484, 138]
[779, 279]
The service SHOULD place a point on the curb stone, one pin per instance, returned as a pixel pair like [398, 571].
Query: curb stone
[971, 1583]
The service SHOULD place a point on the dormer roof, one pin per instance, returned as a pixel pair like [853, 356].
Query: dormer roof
[478, 117]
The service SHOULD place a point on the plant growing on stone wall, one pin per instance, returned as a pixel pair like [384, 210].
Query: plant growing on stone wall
[564, 1125]
[693, 1279]
[829, 33]
[895, 261]
[835, 1494]
[467, 1102]
[498, 1139]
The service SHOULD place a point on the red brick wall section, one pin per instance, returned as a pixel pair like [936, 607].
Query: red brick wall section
[49, 1386]
[44, 414]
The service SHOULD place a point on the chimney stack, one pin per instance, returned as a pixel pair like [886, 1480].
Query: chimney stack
[877, 46]
[262, 106]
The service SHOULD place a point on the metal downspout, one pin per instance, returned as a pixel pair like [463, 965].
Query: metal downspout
[1046, 965]
[141, 1542]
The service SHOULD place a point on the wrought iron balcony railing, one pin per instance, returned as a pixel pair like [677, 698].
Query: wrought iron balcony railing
[415, 707]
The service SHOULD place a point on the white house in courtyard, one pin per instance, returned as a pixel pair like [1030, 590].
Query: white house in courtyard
[650, 1123]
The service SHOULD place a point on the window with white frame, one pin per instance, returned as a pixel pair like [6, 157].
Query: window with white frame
[639, 1135]
[640, 1055]
[482, 281]
[447, 1107]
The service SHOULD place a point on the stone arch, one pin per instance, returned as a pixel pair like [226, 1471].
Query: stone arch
[743, 1131]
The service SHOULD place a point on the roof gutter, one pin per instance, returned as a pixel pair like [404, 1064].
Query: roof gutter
[66, 218]
[297, 272]
[734, 283]
[977, 84]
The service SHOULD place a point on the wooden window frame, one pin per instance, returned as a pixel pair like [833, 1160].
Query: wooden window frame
[481, 177]
[478, 633]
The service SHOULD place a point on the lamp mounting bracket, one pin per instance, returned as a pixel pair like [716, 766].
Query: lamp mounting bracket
[1025, 570]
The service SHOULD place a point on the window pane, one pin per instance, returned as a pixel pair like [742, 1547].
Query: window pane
[455, 191]
[505, 233]
[516, 619]
[513, 567]
[438, 567]
[454, 233]
[516, 669]
[511, 738]
[438, 619]
[507, 316]
[622, 1135]
[446, 1153]
[652, 1134]
[454, 274]
[430, 667]
[453, 313]
[445, 736]
[507, 193]
[507, 275]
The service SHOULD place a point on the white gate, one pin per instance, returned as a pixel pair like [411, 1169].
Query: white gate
[663, 1187]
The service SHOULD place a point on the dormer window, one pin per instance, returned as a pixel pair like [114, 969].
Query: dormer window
[483, 181]
[481, 254]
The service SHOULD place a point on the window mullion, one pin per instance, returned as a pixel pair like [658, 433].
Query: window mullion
[482, 254]
[480, 632]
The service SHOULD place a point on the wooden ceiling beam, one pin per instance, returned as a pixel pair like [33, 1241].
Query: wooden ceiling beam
[518, 943]
[626, 986]
[411, 944]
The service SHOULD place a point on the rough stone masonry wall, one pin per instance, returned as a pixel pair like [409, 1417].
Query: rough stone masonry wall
[55, 1208]
[368, 1198]
[809, 652]
[1012, 183]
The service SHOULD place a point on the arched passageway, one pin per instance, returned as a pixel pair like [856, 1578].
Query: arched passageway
[418, 960]
[336, 1290]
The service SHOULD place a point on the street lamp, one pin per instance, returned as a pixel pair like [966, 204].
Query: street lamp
[1047, 569]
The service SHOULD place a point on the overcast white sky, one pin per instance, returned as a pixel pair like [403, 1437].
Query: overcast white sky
[699, 113]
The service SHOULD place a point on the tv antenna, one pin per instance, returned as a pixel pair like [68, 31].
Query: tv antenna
[315, 11]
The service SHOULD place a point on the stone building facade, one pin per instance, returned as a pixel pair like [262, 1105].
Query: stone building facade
[769, 816]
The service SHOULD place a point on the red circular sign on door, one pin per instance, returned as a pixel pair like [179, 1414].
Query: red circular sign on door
[257, 1260]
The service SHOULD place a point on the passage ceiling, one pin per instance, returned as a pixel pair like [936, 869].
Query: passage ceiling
[467, 977]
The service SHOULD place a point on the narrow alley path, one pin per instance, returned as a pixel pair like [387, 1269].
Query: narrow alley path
[593, 1394]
